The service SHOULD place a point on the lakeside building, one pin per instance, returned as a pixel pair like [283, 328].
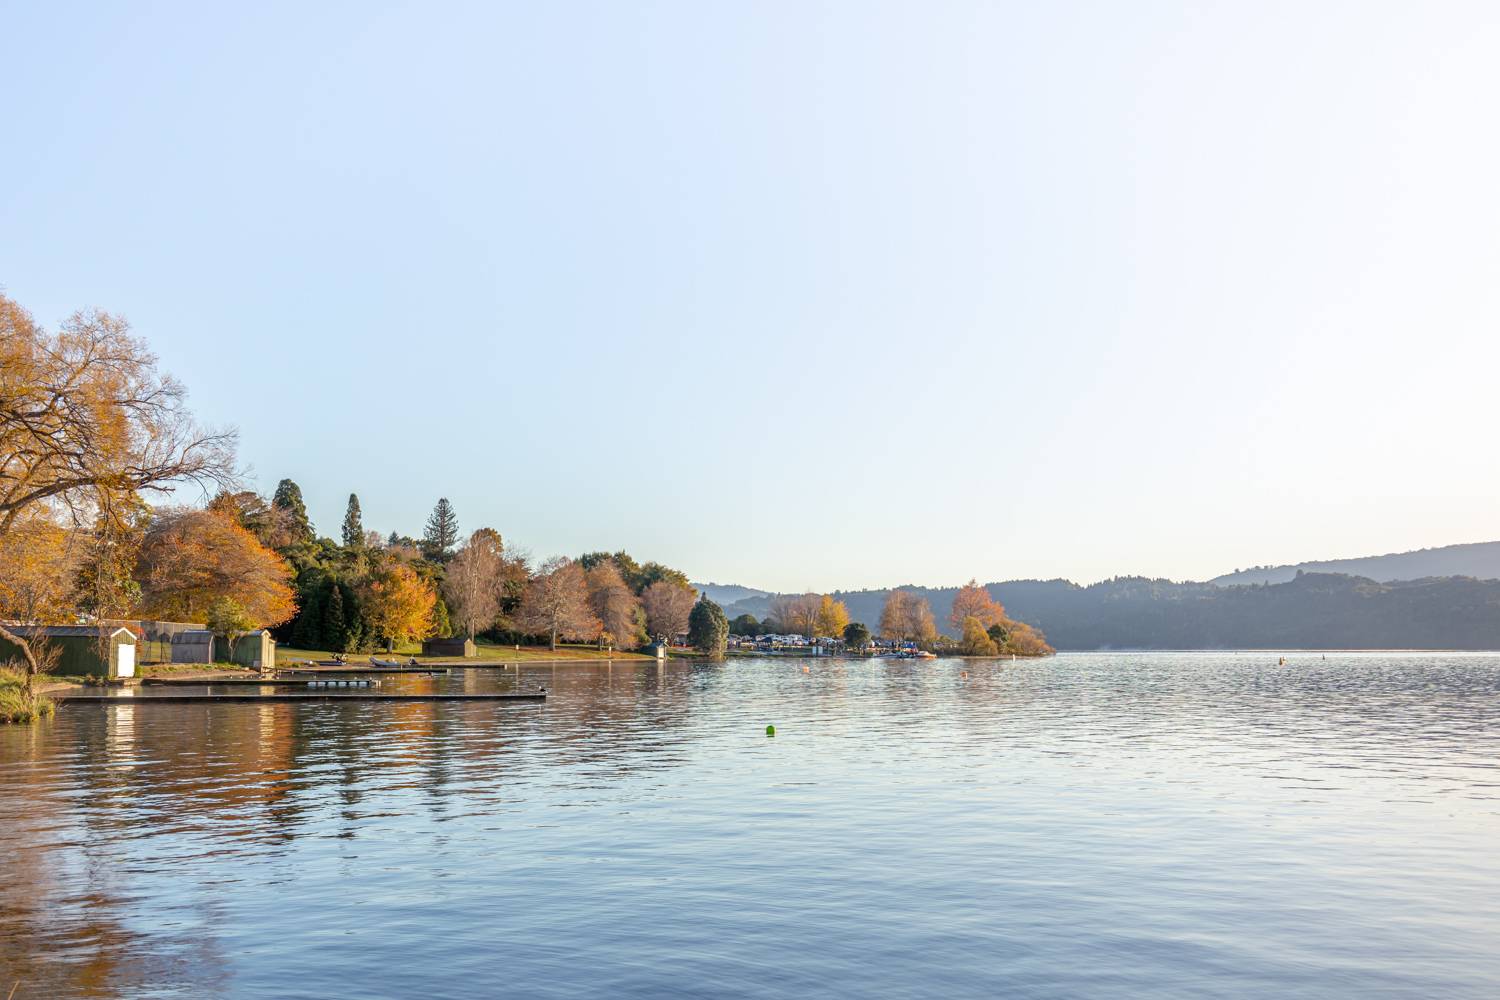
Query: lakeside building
[459, 646]
[98, 650]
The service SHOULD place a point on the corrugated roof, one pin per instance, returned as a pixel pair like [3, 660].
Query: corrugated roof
[58, 631]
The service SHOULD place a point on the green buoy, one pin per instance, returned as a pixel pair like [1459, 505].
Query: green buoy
[770, 730]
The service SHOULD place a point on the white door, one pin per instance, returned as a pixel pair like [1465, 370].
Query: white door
[127, 660]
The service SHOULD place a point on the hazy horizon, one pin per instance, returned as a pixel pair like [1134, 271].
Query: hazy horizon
[801, 297]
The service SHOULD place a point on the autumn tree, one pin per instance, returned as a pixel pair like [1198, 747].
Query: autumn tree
[833, 616]
[973, 601]
[441, 533]
[398, 604]
[105, 585]
[475, 581]
[38, 560]
[797, 613]
[556, 603]
[190, 558]
[1024, 640]
[86, 421]
[515, 576]
[908, 617]
[638, 576]
[668, 606]
[615, 606]
[856, 636]
[708, 629]
[975, 640]
[1004, 634]
[353, 533]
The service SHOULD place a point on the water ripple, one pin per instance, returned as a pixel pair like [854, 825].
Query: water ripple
[1151, 825]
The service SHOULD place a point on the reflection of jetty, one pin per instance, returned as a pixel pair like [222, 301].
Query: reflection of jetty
[179, 699]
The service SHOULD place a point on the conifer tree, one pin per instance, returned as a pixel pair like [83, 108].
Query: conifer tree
[335, 630]
[307, 632]
[442, 621]
[708, 629]
[441, 533]
[288, 498]
[354, 528]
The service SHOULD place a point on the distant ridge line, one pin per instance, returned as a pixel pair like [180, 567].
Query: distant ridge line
[1480, 560]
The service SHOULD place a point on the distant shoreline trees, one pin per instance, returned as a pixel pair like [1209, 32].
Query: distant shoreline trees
[88, 424]
[811, 616]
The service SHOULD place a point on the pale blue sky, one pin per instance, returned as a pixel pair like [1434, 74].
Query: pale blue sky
[801, 295]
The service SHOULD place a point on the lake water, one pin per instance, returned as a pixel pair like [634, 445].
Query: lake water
[1106, 825]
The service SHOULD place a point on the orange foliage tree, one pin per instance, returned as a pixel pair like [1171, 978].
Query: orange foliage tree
[973, 601]
[398, 604]
[191, 558]
[37, 562]
[618, 611]
[87, 420]
[556, 603]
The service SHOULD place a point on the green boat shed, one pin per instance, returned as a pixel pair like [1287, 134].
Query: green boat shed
[100, 651]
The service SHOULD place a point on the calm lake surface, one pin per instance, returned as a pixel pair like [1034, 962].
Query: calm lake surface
[1110, 825]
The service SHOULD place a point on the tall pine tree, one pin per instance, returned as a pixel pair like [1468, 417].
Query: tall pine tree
[354, 528]
[441, 533]
[288, 498]
[335, 630]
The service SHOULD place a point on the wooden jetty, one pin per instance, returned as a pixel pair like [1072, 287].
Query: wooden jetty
[347, 695]
[237, 682]
[371, 671]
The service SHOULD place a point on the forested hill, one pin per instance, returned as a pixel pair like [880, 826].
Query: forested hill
[1313, 611]
[1479, 559]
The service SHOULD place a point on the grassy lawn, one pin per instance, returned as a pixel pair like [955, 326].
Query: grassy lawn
[487, 651]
